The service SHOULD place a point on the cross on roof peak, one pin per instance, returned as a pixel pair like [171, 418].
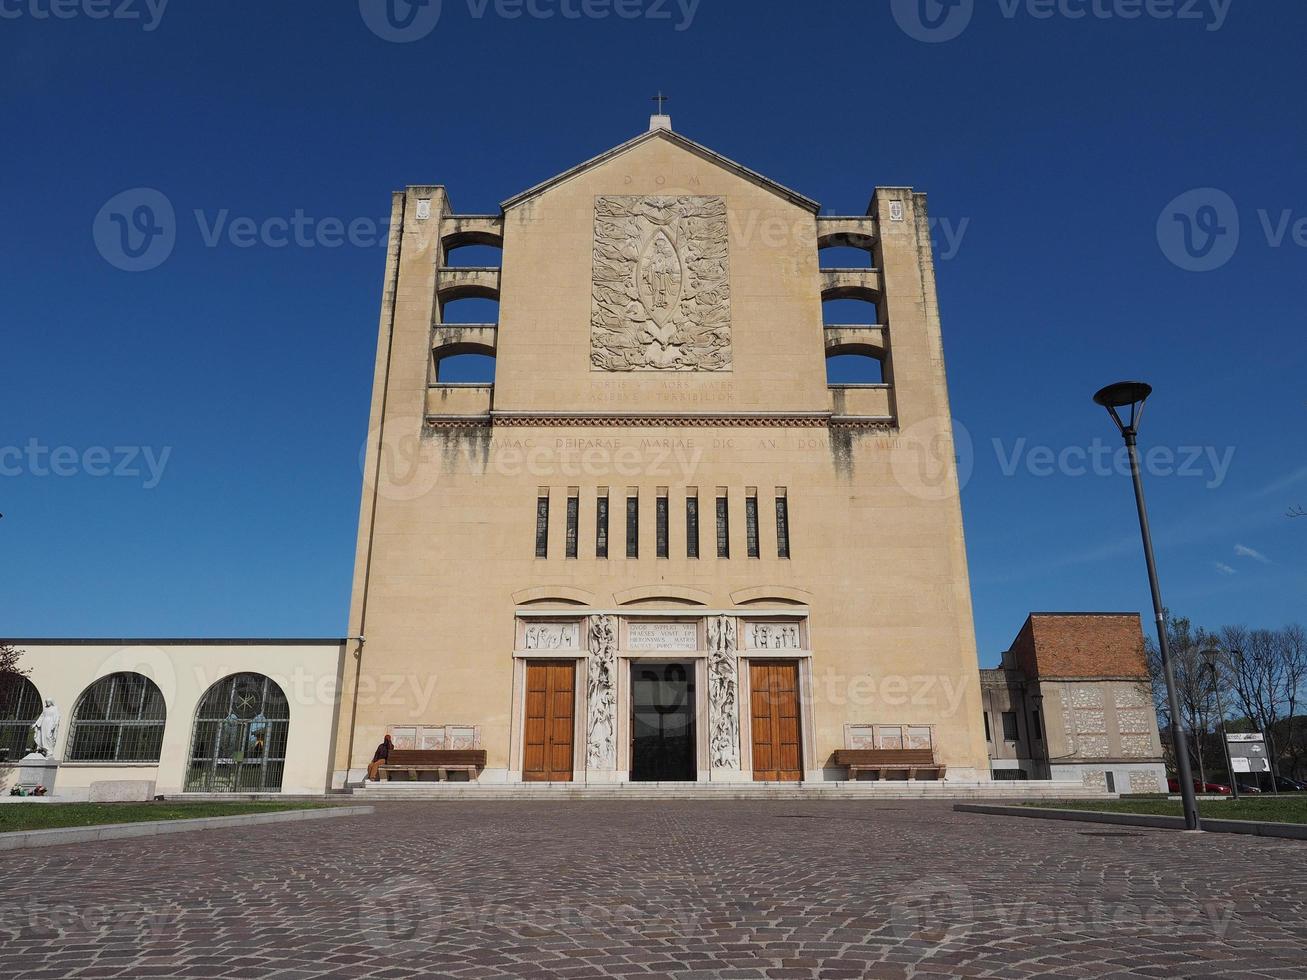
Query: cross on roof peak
[662, 101]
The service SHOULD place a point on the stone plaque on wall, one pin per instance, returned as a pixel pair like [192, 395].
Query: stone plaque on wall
[662, 636]
[661, 285]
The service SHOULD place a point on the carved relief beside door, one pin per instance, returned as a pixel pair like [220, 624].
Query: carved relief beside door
[549, 721]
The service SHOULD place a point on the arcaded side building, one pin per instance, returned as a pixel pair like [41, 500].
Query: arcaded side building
[661, 544]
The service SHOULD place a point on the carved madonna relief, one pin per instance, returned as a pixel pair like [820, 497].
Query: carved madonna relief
[662, 293]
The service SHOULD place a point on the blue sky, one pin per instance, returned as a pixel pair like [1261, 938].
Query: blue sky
[1056, 151]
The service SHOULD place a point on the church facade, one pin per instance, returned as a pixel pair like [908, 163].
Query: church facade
[662, 544]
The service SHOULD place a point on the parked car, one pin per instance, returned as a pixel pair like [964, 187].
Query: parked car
[1219, 788]
[1249, 788]
[1286, 785]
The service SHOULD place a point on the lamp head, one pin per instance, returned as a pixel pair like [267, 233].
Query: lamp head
[1123, 395]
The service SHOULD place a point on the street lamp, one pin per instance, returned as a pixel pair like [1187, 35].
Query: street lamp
[1212, 655]
[1116, 398]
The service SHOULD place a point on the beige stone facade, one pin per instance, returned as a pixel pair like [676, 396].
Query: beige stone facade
[660, 338]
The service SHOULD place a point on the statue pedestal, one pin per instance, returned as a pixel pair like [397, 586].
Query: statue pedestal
[38, 770]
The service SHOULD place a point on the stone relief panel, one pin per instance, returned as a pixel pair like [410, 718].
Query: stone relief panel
[1133, 696]
[601, 695]
[1135, 720]
[661, 285]
[771, 636]
[1086, 697]
[1136, 746]
[723, 694]
[1094, 722]
[1092, 746]
[1144, 781]
[551, 636]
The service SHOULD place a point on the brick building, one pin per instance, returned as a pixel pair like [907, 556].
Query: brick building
[1072, 700]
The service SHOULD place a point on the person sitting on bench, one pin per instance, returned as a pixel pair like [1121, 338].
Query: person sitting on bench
[380, 757]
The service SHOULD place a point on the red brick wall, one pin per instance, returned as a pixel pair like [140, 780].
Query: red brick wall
[1090, 645]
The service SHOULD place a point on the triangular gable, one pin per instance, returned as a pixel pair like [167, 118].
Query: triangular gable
[686, 144]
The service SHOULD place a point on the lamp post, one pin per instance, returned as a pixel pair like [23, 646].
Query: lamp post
[1211, 655]
[1132, 395]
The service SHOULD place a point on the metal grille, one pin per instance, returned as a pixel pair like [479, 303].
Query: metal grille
[660, 528]
[542, 527]
[632, 527]
[239, 741]
[782, 528]
[751, 526]
[119, 718]
[692, 527]
[573, 518]
[20, 706]
[601, 528]
[723, 530]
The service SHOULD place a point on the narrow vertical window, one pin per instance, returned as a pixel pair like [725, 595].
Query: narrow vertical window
[542, 526]
[782, 525]
[751, 524]
[632, 526]
[692, 525]
[660, 524]
[723, 528]
[601, 525]
[573, 520]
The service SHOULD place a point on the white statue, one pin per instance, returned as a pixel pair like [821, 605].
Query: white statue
[46, 729]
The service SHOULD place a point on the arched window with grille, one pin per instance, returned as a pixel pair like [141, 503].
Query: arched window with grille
[20, 706]
[119, 718]
[238, 744]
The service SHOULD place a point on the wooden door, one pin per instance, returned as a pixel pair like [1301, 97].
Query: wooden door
[774, 698]
[550, 722]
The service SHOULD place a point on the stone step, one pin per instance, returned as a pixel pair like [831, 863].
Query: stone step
[725, 791]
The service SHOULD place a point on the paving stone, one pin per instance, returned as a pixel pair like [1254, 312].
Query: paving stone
[686, 889]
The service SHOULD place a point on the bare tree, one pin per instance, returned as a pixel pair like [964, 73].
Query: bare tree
[9, 657]
[1193, 683]
[11, 676]
[1264, 680]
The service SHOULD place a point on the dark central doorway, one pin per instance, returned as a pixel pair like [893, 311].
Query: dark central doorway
[662, 722]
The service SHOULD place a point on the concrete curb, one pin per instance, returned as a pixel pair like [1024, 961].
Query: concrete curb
[1256, 828]
[150, 828]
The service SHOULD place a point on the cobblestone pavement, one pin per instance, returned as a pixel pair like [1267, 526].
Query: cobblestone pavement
[685, 889]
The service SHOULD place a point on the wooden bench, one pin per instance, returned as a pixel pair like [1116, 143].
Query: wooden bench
[881, 761]
[440, 761]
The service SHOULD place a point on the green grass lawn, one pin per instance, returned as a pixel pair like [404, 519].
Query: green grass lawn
[44, 816]
[1282, 809]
